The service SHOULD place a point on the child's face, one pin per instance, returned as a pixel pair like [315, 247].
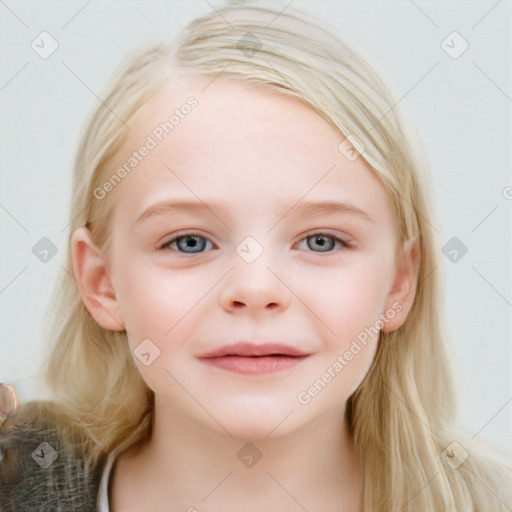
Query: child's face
[247, 162]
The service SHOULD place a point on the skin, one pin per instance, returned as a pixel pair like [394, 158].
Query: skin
[251, 154]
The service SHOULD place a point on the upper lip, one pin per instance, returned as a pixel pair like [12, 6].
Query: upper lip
[255, 349]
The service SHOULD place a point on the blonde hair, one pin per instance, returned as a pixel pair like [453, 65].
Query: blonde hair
[403, 412]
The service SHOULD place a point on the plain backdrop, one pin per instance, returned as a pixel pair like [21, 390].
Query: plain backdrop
[461, 105]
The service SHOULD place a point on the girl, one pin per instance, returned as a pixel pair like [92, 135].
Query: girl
[250, 316]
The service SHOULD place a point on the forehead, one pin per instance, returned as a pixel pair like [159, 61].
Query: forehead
[239, 141]
[232, 116]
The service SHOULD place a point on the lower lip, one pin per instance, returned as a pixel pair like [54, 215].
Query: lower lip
[259, 365]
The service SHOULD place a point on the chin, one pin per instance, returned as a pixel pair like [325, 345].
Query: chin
[256, 431]
[252, 421]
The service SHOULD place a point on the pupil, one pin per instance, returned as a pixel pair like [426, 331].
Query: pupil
[321, 243]
[191, 244]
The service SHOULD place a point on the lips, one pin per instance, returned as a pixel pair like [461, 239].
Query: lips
[254, 350]
[254, 359]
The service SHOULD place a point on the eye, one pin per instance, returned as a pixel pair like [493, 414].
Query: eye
[322, 242]
[188, 243]
[193, 243]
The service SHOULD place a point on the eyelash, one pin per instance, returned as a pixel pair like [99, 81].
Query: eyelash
[345, 245]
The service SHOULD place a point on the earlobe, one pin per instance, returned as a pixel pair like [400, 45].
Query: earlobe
[93, 281]
[402, 292]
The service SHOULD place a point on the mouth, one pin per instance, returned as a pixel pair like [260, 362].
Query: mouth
[254, 359]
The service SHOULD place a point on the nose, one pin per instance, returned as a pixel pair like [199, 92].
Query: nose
[255, 288]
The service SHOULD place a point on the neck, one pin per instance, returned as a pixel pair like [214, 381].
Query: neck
[188, 466]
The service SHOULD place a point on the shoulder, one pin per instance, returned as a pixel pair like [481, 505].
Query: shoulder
[42, 465]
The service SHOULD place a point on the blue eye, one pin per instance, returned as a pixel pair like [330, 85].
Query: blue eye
[192, 243]
[188, 243]
[320, 242]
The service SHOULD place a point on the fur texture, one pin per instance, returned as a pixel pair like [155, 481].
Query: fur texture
[66, 484]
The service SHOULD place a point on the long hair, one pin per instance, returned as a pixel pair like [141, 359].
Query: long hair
[402, 414]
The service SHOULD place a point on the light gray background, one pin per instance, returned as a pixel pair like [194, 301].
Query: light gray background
[462, 108]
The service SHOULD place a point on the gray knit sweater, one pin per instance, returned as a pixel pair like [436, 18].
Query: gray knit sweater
[40, 468]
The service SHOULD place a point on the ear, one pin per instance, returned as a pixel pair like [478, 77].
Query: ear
[401, 295]
[93, 281]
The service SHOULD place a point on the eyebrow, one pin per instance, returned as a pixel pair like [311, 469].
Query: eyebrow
[298, 211]
[305, 209]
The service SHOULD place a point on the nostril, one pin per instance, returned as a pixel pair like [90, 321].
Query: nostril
[239, 305]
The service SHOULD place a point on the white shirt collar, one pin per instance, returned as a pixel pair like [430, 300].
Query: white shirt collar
[103, 496]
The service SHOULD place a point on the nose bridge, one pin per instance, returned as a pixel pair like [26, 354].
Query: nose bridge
[250, 250]
[254, 259]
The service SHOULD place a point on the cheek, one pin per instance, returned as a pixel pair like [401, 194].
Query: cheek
[348, 299]
[156, 303]
[165, 309]
[345, 305]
